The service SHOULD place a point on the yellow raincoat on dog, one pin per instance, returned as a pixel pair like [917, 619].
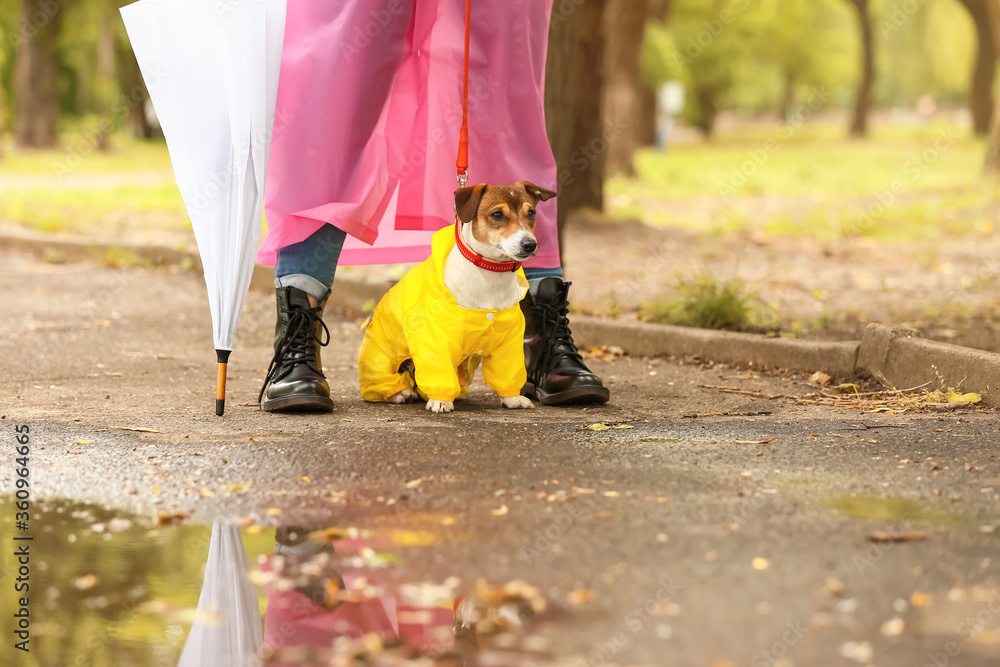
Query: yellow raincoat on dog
[419, 319]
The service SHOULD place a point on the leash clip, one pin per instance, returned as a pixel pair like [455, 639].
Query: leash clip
[463, 178]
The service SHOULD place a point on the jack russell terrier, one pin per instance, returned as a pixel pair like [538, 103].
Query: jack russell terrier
[459, 308]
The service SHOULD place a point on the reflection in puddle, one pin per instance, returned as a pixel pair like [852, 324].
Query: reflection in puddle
[107, 590]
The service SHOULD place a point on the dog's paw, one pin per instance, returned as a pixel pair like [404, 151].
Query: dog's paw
[515, 402]
[440, 406]
[404, 396]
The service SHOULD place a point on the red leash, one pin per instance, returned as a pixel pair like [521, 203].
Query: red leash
[463, 138]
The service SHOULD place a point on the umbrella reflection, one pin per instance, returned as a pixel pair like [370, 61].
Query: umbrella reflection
[316, 614]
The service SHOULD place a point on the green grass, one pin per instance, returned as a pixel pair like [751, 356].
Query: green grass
[706, 302]
[127, 154]
[54, 209]
[815, 183]
[887, 509]
[73, 190]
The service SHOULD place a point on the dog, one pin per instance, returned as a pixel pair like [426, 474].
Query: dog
[459, 308]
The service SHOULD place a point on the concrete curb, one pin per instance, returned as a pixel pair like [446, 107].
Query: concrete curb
[642, 340]
[894, 354]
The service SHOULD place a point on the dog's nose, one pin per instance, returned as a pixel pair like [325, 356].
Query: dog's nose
[528, 244]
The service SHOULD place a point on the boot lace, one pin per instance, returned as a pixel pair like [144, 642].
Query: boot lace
[557, 334]
[296, 346]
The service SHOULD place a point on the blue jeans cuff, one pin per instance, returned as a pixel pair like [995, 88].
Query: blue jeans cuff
[307, 284]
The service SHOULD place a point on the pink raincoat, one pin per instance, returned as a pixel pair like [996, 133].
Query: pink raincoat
[368, 117]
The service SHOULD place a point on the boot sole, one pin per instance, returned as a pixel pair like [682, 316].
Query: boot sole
[577, 396]
[298, 404]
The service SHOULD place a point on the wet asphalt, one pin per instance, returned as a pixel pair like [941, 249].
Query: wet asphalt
[699, 540]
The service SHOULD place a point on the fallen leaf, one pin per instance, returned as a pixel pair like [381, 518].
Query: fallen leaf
[83, 441]
[414, 483]
[577, 489]
[893, 627]
[822, 379]
[919, 599]
[207, 493]
[171, 518]
[835, 587]
[140, 430]
[578, 596]
[880, 536]
[305, 479]
[274, 511]
[599, 426]
[611, 494]
[760, 563]
[500, 512]
[331, 535]
[754, 442]
[846, 388]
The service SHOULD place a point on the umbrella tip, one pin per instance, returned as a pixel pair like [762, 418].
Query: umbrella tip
[220, 391]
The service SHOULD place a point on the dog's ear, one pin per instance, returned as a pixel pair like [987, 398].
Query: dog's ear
[467, 201]
[540, 194]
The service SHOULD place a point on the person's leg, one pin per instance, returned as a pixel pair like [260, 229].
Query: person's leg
[537, 274]
[311, 264]
[303, 278]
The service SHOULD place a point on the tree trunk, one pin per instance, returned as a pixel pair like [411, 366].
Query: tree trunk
[992, 162]
[646, 132]
[707, 109]
[788, 98]
[37, 97]
[106, 81]
[3, 119]
[573, 85]
[863, 102]
[624, 24]
[984, 71]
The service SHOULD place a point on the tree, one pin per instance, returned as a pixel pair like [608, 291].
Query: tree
[3, 126]
[573, 94]
[984, 71]
[624, 25]
[992, 162]
[37, 96]
[107, 84]
[863, 99]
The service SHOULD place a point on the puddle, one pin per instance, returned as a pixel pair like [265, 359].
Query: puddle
[108, 590]
[887, 509]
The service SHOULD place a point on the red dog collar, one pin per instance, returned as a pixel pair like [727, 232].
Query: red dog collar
[479, 260]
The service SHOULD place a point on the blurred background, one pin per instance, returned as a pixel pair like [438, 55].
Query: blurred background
[798, 168]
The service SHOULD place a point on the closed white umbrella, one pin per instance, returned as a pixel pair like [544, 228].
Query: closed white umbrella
[212, 68]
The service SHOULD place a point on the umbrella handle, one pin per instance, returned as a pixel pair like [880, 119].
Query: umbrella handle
[220, 386]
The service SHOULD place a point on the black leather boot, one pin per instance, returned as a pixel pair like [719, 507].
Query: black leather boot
[556, 372]
[295, 379]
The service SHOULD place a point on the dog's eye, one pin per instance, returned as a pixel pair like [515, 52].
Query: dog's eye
[497, 215]
[531, 214]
